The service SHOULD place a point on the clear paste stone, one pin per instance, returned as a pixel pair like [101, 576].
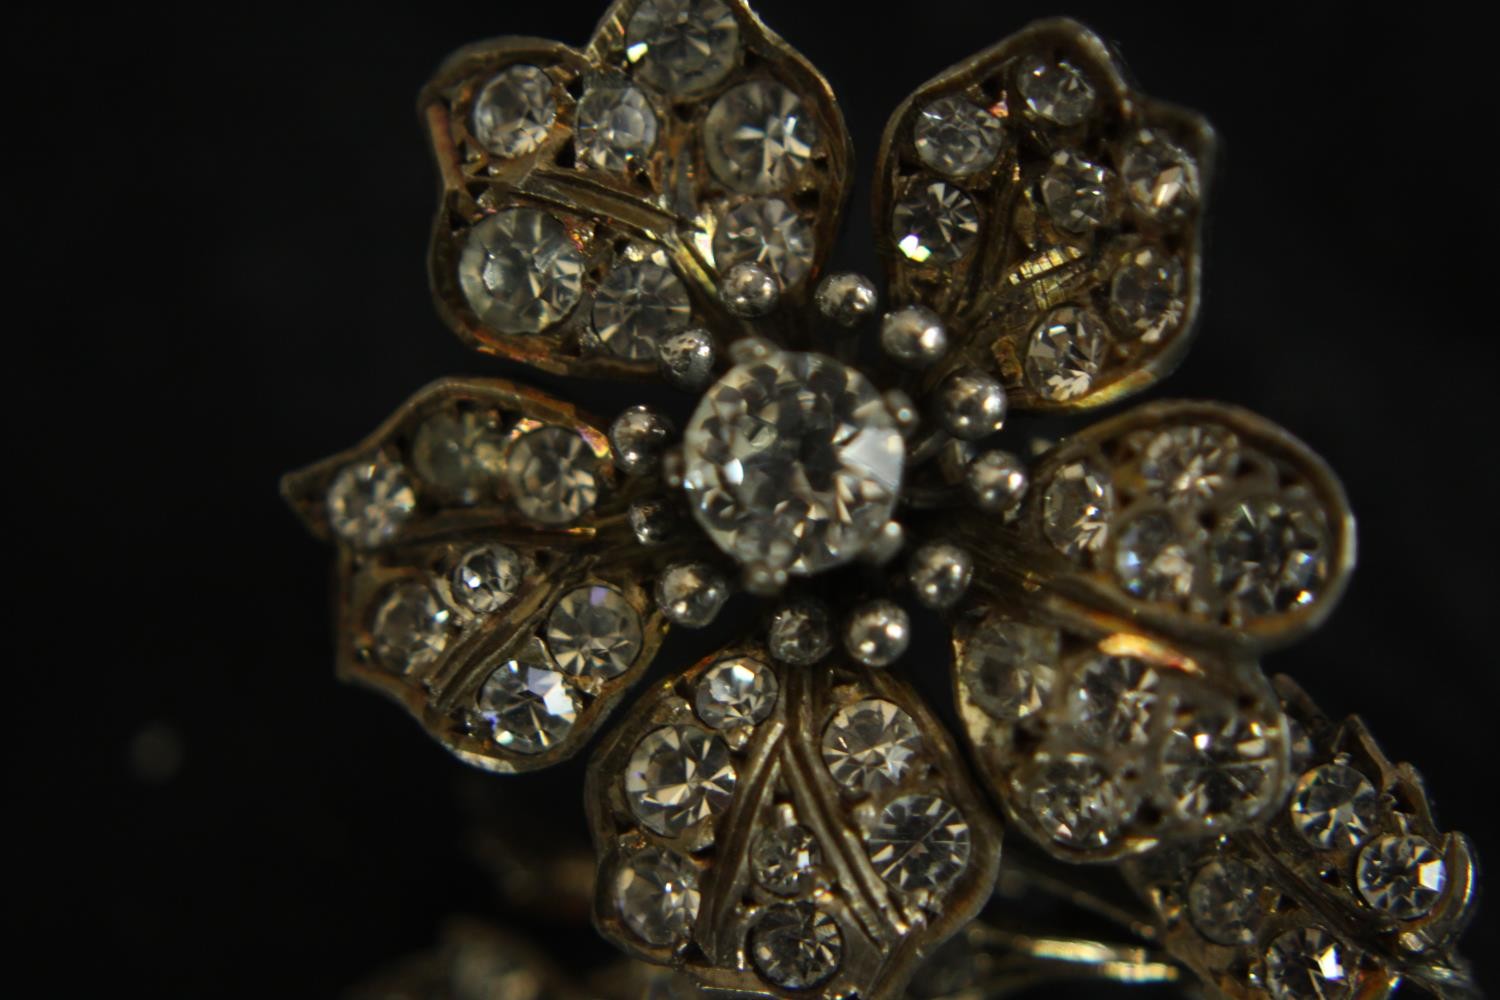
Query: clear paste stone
[460, 454]
[1154, 561]
[1220, 768]
[1161, 178]
[1009, 668]
[1224, 901]
[368, 501]
[784, 859]
[956, 137]
[1309, 964]
[1113, 701]
[1076, 802]
[1076, 193]
[795, 945]
[594, 632]
[1269, 557]
[758, 137]
[1401, 875]
[528, 704]
[520, 272]
[677, 778]
[636, 307]
[736, 692]
[486, 578]
[935, 224]
[1065, 354]
[657, 895]
[1147, 295]
[514, 111]
[1076, 509]
[410, 628]
[1190, 464]
[616, 126]
[1054, 89]
[768, 232]
[869, 745]
[552, 476]
[1334, 807]
[682, 46]
[919, 842]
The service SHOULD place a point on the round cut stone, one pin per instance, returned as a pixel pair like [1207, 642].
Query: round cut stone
[1334, 807]
[1076, 193]
[1268, 557]
[1077, 802]
[551, 475]
[1219, 768]
[757, 137]
[486, 578]
[460, 453]
[1161, 178]
[1076, 509]
[1009, 669]
[616, 126]
[1224, 902]
[682, 46]
[514, 111]
[736, 692]
[935, 224]
[637, 306]
[677, 778]
[784, 859]
[768, 232]
[869, 745]
[1190, 464]
[1309, 964]
[528, 704]
[793, 462]
[594, 632]
[1066, 352]
[956, 137]
[520, 272]
[657, 895]
[1113, 702]
[919, 843]
[800, 633]
[795, 946]
[1054, 89]
[1146, 300]
[1153, 561]
[1401, 875]
[410, 628]
[368, 501]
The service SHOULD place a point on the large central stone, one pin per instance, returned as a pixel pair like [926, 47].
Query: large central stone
[793, 462]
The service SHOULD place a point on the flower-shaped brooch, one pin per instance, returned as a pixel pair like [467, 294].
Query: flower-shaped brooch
[787, 816]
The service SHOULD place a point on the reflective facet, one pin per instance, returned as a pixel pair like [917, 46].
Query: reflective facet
[1224, 901]
[678, 776]
[1055, 89]
[616, 127]
[1189, 464]
[1220, 768]
[1309, 964]
[869, 745]
[1147, 295]
[1161, 178]
[1065, 354]
[637, 305]
[956, 137]
[1076, 508]
[795, 945]
[919, 842]
[486, 578]
[768, 232]
[460, 453]
[1334, 807]
[682, 46]
[368, 501]
[1010, 668]
[1076, 802]
[1401, 875]
[520, 272]
[514, 111]
[1113, 701]
[784, 859]
[1268, 557]
[657, 895]
[410, 627]
[1153, 561]
[1076, 193]
[552, 476]
[529, 705]
[594, 632]
[935, 223]
[758, 137]
[736, 692]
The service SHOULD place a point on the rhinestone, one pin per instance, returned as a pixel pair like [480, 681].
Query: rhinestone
[657, 893]
[1055, 90]
[514, 111]
[1076, 508]
[737, 692]
[1309, 964]
[1146, 295]
[847, 299]
[957, 137]
[793, 462]
[1224, 902]
[636, 306]
[1162, 178]
[460, 453]
[768, 232]
[520, 272]
[691, 594]
[870, 745]
[678, 776]
[1076, 193]
[1334, 807]
[1401, 875]
[919, 842]
[594, 632]
[527, 703]
[410, 628]
[1220, 768]
[1153, 561]
[615, 127]
[1077, 802]
[795, 945]
[1268, 557]
[1066, 353]
[757, 137]
[935, 224]
[877, 633]
[800, 634]
[785, 859]
[1190, 464]
[368, 501]
[486, 578]
[682, 46]
[1114, 701]
[1009, 669]
[551, 476]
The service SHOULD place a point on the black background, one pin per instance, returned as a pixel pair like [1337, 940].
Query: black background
[227, 234]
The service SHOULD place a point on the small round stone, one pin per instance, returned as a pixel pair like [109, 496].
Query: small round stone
[1076, 193]
[529, 705]
[616, 126]
[940, 573]
[800, 633]
[1076, 509]
[1269, 557]
[914, 336]
[552, 476]
[486, 578]
[1065, 354]
[410, 628]
[636, 306]
[784, 859]
[514, 111]
[795, 946]
[460, 454]
[687, 358]
[682, 47]
[1113, 701]
[368, 501]
[758, 137]
[677, 778]
[935, 224]
[1160, 177]
[1189, 464]
[847, 299]
[768, 232]
[1153, 561]
[956, 137]
[657, 895]
[869, 745]
[1054, 89]
[971, 405]
[1220, 768]
[877, 633]
[1224, 902]
[1008, 668]
[1076, 802]
[691, 594]
[919, 843]
[1147, 295]
[1401, 875]
[652, 521]
[594, 632]
[1310, 964]
[520, 272]
[749, 291]
[638, 437]
[1334, 807]
[736, 692]
[996, 482]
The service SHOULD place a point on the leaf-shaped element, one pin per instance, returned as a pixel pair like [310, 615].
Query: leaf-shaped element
[785, 830]
[1345, 890]
[1103, 744]
[590, 200]
[1050, 214]
[485, 580]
